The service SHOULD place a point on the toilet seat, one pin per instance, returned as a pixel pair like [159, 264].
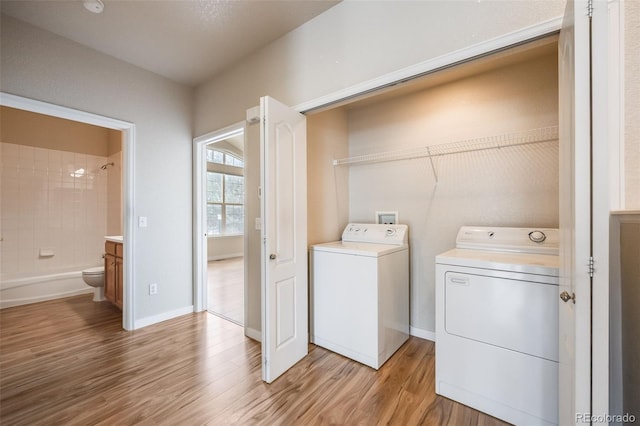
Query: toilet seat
[98, 270]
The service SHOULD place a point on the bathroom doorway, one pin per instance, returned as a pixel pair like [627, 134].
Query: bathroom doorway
[124, 132]
[220, 187]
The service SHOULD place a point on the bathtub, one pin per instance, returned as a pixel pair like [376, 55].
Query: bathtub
[25, 290]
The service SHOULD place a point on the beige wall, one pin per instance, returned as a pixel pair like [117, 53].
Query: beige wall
[327, 186]
[115, 142]
[507, 187]
[115, 204]
[630, 315]
[632, 105]
[624, 317]
[225, 247]
[252, 260]
[115, 200]
[42, 131]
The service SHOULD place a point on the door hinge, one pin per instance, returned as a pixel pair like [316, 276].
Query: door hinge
[590, 8]
[591, 266]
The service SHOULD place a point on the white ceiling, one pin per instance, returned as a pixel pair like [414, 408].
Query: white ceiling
[187, 41]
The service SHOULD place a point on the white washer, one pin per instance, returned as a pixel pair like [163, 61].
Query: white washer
[360, 292]
[497, 323]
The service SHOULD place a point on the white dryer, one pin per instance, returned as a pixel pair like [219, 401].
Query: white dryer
[497, 323]
[360, 292]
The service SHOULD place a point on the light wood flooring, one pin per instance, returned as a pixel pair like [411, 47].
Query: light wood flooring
[226, 288]
[68, 362]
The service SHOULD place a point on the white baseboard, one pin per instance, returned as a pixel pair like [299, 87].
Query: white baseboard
[224, 256]
[144, 322]
[252, 333]
[423, 334]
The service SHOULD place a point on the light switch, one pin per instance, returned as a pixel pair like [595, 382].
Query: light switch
[142, 221]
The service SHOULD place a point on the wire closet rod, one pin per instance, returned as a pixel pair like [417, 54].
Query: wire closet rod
[543, 134]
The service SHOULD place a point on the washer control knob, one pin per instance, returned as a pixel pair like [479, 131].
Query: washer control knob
[537, 236]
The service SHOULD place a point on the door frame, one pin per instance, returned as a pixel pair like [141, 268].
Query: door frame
[200, 290]
[606, 189]
[576, 214]
[128, 162]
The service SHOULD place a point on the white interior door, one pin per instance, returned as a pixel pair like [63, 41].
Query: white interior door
[575, 216]
[284, 232]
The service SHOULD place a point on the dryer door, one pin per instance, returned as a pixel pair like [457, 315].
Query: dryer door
[515, 313]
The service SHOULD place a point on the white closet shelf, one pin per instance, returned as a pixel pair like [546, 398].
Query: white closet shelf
[543, 134]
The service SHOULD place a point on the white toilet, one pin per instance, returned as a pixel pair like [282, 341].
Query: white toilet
[94, 277]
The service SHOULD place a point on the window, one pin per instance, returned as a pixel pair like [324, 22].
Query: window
[225, 195]
[222, 157]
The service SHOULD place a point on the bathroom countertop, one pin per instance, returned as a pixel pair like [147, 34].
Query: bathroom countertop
[114, 238]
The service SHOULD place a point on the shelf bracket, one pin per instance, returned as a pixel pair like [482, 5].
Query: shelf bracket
[433, 168]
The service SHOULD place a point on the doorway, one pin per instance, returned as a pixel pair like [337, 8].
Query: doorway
[128, 150]
[224, 182]
[219, 173]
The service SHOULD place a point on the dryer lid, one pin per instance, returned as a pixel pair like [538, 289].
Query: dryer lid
[358, 249]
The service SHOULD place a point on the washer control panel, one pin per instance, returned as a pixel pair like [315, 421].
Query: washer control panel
[376, 233]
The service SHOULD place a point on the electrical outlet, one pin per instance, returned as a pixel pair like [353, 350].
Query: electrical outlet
[153, 289]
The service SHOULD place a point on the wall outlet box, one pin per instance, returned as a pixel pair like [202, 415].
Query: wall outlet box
[387, 218]
[153, 289]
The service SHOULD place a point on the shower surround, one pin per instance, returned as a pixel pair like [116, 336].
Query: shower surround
[54, 214]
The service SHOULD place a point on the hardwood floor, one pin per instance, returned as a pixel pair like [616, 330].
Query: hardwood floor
[226, 288]
[69, 362]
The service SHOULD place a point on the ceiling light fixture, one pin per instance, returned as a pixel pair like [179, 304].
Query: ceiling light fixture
[95, 6]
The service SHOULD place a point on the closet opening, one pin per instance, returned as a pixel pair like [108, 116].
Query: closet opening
[475, 143]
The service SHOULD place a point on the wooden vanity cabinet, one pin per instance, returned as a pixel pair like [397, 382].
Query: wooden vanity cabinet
[113, 272]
